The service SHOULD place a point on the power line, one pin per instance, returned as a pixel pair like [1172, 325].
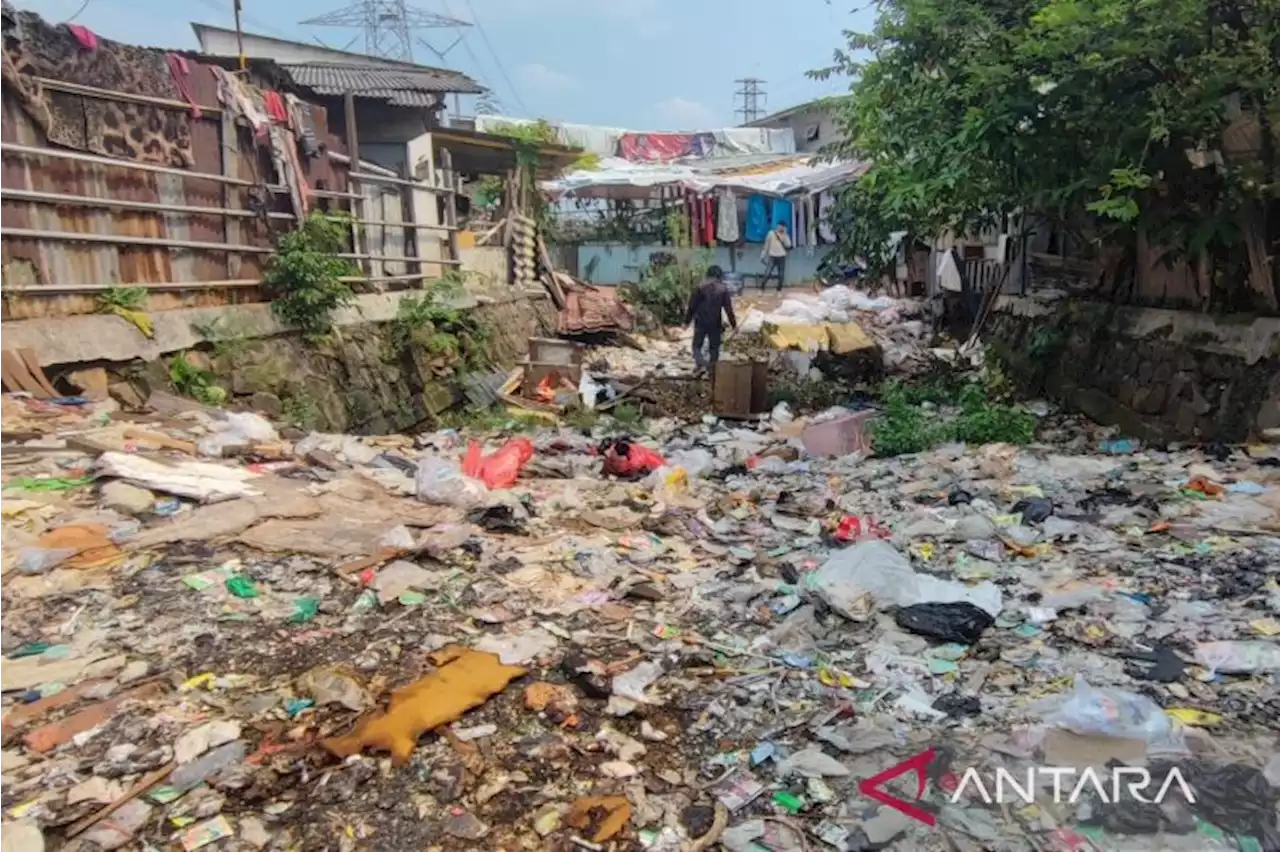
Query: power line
[501, 70]
[228, 8]
[80, 11]
[388, 25]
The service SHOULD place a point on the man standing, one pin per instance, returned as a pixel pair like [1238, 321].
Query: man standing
[774, 254]
[707, 305]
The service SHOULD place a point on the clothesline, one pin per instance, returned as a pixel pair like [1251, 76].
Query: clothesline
[714, 217]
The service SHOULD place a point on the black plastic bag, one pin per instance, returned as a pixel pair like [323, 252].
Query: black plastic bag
[960, 622]
[955, 705]
[1034, 510]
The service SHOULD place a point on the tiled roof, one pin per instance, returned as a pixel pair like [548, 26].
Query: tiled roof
[400, 86]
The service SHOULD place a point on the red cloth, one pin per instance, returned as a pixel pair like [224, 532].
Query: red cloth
[651, 147]
[274, 105]
[709, 221]
[180, 71]
[87, 38]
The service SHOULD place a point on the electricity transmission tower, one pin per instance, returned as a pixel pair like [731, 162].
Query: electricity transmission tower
[388, 25]
[751, 95]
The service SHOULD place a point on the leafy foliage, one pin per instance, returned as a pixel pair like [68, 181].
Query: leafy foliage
[130, 304]
[905, 425]
[429, 322]
[304, 278]
[666, 287]
[1088, 112]
[190, 380]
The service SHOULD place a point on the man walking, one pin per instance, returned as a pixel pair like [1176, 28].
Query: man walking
[707, 306]
[774, 254]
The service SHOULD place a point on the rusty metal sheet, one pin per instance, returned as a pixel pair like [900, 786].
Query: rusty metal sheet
[592, 309]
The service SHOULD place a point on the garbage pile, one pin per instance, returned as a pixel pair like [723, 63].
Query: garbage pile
[668, 638]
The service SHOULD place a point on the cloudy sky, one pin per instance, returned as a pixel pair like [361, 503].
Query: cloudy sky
[642, 64]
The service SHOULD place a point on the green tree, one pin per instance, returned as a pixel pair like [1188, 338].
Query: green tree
[1112, 117]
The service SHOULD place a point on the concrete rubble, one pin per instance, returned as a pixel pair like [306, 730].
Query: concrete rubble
[227, 641]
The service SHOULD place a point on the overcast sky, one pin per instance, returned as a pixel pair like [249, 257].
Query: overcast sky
[642, 64]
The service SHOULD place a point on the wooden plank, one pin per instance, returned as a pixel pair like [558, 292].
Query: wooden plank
[32, 360]
[451, 202]
[17, 377]
[229, 148]
[357, 189]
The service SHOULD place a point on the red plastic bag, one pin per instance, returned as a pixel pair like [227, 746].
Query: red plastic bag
[625, 459]
[855, 528]
[502, 468]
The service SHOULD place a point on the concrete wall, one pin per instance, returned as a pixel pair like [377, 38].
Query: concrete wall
[617, 262]
[360, 381]
[805, 124]
[1158, 374]
[489, 262]
[222, 42]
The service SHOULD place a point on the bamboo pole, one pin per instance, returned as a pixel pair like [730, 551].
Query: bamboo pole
[115, 239]
[59, 154]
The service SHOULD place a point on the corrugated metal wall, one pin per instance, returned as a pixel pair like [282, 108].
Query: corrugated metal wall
[56, 277]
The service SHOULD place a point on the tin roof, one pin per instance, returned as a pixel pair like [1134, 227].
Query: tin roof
[409, 86]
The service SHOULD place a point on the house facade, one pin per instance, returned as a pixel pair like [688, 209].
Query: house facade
[813, 124]
[395, 102]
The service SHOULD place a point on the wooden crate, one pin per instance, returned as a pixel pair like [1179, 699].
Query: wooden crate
[740, 389]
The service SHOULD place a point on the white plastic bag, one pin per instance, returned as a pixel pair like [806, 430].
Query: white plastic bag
[1112, 713]
[442, 483]
[752, 323]
[589, 389]
[782, 413]
[877, 569]
[696, 462]
[240, 427]
[1255, 657]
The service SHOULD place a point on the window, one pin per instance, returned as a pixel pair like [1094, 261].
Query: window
[812, 132]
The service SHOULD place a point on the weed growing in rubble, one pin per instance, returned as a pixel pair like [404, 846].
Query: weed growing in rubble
[431, 323]
[130, 304]
[190, 380]
[496, 419]
[904, 425]
[304, 277]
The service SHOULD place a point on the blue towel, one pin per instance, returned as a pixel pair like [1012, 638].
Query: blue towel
[782, 215]
[757, 219]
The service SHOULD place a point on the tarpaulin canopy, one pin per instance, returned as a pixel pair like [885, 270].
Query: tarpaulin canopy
[618, 178]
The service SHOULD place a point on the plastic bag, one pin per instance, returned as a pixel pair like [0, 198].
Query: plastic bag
[878, 569]
[695, 462]
[1112, 713]
[442, 483]
[37, 560]
[628, 460]
[589, 389]
[240, 427]
[1255, 657]
[960, 622]
[502, 468]
[782, 413]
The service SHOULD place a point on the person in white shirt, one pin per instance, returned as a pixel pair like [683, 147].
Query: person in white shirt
[774, 255]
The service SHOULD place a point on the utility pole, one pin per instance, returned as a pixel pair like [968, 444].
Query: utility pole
[751, 95]
[388, 25]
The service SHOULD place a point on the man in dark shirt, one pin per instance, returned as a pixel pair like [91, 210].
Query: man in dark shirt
[705, 312]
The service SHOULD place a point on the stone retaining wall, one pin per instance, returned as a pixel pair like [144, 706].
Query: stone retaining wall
[1158, 374]
[359, 381]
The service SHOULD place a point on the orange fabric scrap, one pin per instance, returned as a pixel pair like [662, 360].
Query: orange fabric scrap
[1204, 486]
[465, 680]
[606, 815]
[93, 548]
